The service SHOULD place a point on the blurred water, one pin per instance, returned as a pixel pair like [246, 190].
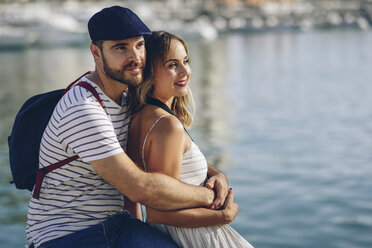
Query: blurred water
[287, 116]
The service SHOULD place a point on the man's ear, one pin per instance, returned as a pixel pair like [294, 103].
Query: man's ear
[96, 52]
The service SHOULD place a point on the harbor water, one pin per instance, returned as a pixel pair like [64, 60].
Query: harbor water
[286, 115]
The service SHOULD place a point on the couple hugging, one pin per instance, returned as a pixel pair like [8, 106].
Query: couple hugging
[132, 151]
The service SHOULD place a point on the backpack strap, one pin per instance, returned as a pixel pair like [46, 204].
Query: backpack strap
[40, 174]
[72, 84]
[92, 90]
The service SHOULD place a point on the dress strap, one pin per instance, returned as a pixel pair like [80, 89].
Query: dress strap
[144, 142]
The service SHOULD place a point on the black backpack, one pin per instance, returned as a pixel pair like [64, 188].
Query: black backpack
[24, 140]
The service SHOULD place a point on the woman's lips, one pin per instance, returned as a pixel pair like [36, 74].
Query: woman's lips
[182, 83]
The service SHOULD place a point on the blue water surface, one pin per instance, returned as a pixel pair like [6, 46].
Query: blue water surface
[287, 116]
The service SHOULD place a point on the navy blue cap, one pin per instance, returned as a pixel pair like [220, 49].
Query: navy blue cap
[116, 23]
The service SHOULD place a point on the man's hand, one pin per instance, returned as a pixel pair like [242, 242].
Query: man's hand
[218, 183]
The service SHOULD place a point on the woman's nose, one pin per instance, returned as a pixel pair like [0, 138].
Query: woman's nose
[185, 70]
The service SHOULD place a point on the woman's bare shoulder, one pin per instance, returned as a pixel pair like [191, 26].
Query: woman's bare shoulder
[167, 126]
[144, 116]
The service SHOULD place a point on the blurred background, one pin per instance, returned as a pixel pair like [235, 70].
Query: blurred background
[283, 104]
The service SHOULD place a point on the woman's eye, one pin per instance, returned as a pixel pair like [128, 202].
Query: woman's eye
[172, 65]
[187, 61]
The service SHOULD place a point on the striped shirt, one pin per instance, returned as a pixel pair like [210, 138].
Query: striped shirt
[74, 196]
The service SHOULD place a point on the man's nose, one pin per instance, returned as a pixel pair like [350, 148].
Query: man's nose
[135, 55]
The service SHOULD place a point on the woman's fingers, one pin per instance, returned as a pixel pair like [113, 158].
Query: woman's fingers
[230, 207]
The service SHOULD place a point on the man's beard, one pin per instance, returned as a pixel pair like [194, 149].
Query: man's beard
[119, 75]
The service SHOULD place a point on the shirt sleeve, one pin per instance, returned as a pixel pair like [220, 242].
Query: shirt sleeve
[86, 129]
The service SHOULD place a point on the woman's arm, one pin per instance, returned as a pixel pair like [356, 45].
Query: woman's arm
[133, 208]
[163, 153]
[196, 217]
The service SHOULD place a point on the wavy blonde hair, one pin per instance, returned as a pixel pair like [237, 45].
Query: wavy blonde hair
[157, 48]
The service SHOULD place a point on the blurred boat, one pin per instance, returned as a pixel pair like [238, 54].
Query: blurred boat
[60, 29]
[64, 23]
[15, 37]
[39, 24]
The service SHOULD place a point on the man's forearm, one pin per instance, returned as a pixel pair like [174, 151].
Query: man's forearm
[166, 193]
[152, 189]
[214, 172]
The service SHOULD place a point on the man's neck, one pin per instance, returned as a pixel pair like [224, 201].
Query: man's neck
[111, 88]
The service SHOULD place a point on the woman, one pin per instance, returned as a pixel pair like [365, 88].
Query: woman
[159, 143]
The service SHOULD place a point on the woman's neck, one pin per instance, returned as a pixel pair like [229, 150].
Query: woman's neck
[167, 101]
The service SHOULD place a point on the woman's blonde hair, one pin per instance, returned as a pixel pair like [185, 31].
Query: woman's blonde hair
[157, 48]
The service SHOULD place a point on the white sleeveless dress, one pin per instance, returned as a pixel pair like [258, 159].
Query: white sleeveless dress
[194, 171]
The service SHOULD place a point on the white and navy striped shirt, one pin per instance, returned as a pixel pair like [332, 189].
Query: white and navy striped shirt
[74, 196]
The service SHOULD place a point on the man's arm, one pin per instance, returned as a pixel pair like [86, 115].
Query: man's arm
[151, 189]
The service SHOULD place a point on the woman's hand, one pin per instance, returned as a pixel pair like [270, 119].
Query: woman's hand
[230, 210]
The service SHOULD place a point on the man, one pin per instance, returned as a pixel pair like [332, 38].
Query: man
[81, 203]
